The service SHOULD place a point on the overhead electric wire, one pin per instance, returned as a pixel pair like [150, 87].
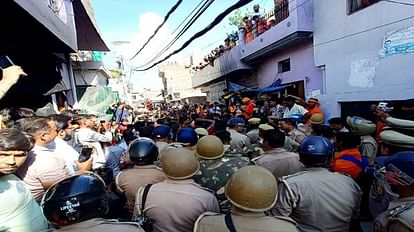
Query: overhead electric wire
[215, 22]
[199, 12]
[173, 8]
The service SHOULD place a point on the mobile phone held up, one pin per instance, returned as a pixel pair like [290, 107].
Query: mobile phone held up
[5, 62]
[85, 154]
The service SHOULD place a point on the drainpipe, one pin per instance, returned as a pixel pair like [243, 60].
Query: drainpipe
[323, 69]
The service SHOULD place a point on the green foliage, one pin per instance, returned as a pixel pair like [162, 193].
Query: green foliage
[237, 18]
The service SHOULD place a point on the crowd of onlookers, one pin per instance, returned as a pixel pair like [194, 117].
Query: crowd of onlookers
[252, 27]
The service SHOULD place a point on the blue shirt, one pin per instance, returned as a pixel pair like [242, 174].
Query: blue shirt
[113, 160]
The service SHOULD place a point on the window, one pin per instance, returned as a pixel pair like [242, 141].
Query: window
[283, 66]
[356, 5]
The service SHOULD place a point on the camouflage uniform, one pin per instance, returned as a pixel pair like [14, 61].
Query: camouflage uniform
[214, 175]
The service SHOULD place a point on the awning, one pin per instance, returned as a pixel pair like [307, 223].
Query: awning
[275, 87]
[30, 26]
[88, 35]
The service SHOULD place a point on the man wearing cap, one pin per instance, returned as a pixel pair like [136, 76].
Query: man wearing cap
[175, 204]
[162, 137]
[253, 133]
[216, 168]
[201, 132]
[292, 108]
[238, 141]
[276, 159]
[365, 129]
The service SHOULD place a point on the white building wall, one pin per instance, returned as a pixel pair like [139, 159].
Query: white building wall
[349, 48]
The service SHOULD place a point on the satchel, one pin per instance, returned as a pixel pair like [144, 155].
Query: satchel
[144, 221]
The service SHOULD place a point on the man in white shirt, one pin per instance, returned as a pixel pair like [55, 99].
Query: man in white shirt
[86, 136]
[292, 108]
[62, 148]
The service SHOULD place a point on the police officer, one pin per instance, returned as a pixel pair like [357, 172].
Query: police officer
[398, 179]
[238, 141]
[162, 135]
[143, 152]
[78, 202]
[275, 158]
[252, 190]
[175, 204]
[318, 199]
[365, 129]
[215, 168]
[186, 138]
[253, 132]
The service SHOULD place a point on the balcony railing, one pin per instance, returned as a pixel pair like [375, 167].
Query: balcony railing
[281, 11]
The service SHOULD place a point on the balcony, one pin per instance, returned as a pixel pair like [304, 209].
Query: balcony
[292, 28]
[226, 64]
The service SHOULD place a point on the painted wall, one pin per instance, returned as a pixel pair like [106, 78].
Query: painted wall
[302, 68]
[350, 47]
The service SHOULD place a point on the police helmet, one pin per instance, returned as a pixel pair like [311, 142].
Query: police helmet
[75, 199]
[252, 188]
[179, 164]
[316, 151]
[210, 147]
[236, 122]
[402, 163]
[317, 119]
[143, 151]
[297, 118]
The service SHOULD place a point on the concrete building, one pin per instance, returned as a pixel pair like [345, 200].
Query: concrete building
[365, 49]
[39, 36]
[178, 85]
[283, 52]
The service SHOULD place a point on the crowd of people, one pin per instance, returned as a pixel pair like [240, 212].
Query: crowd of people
[252, 26]
[275, 166]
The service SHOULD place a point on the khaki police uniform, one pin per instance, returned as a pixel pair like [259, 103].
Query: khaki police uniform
[253, 136]
[368, 147]
[238, 141]
[129, 181]
[100, 225]
[175, 205]
[398, 218]
[279, 162]
[297, 136]
[318, 200]
[162, 147]
[244, 222]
